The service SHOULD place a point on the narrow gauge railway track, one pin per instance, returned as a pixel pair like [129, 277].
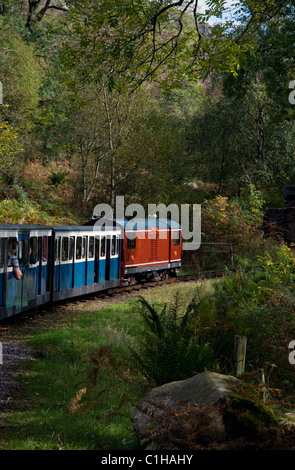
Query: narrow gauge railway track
[172, 280]
[106, 295]
[149, 285]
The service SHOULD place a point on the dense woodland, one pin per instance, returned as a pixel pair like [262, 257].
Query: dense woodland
[157, 102]
[142, 99]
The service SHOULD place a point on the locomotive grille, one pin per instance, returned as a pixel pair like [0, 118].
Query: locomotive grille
[154, 247]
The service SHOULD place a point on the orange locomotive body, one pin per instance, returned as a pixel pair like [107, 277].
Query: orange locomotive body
[152, 250]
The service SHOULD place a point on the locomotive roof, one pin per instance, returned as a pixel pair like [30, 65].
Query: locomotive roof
[139, 224]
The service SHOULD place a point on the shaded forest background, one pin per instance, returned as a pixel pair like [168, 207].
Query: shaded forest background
[144, 99]
[153, 101]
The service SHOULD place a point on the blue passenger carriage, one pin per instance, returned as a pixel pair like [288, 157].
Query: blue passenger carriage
[33, 255]
[86, 260]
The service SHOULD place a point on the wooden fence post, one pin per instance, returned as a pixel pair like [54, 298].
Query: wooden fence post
[240, 354]
[231, 253]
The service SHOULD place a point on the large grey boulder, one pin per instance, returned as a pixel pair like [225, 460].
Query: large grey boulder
[205, 390]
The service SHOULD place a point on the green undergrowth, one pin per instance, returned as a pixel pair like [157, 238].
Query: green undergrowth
[80, 387]
[83, 380]
[90, 370]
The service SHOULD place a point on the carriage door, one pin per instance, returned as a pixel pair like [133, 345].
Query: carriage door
[108, 258]
[90, 261]
[23, 286]
[96, 260]
[43, 264]
[10, 281]
[57, 264]
[2, 274]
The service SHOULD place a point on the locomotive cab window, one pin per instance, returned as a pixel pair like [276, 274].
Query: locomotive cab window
[176, 238]
[131, 243]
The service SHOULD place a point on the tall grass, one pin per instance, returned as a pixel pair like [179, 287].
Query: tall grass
[81, 386]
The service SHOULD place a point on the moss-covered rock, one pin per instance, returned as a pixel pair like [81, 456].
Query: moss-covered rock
[252, 417]
[206, 410]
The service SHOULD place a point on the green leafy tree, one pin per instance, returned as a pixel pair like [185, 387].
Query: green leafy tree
[237, 141]
[9, 155]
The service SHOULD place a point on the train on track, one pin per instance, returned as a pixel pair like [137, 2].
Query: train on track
[58, 263]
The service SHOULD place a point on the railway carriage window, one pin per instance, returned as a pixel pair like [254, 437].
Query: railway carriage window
[1, 253]
[12, 244]
[72, 248]
[91, 247]
[84, 244]
[20, 251]
[44, 249]
[114, 247]
[176, 241]
[33, 250]
[103, 247]
[26, 251]
[79, 248]
[131, 243]
[65, 249]
[57, 249]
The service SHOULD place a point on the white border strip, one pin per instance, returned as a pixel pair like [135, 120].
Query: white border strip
[40, 233]
[152, 263]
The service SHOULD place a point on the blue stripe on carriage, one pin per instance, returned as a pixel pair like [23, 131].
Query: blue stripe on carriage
[56, 277]
[79, 274]
[102, 270]
[1, 289]
[66, 276]
[90, 272]
[44, 272]
[114, 268]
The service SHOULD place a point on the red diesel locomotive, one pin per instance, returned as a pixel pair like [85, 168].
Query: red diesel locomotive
[151, 250]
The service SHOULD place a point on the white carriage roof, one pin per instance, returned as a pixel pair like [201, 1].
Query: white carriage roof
[21, 227]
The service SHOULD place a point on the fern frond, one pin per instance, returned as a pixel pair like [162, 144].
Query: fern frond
[74, 402]
[151, 316]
